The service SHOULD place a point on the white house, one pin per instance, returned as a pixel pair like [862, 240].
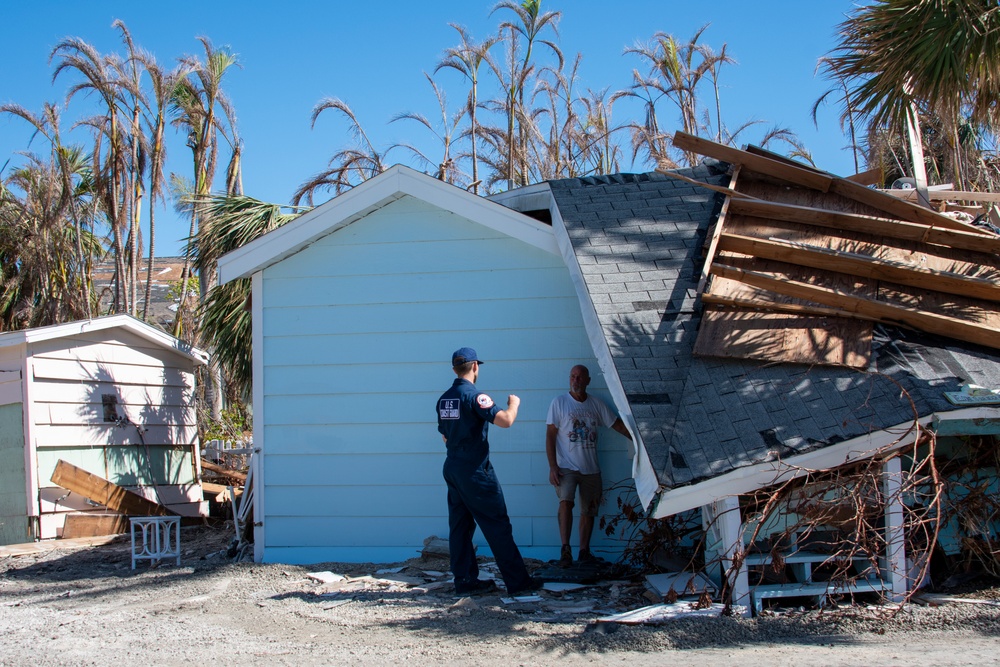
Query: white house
[113, 396]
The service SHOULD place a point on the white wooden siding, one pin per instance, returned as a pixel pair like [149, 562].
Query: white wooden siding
[358, 330]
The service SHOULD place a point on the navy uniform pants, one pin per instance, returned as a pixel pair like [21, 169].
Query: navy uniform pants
[475, 498]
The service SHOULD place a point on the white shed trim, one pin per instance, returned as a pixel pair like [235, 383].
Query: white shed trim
[127, 322]
[356, 203]
[257, 401]
[646, 482]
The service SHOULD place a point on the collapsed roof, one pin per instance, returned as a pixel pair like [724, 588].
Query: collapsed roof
[757, 310]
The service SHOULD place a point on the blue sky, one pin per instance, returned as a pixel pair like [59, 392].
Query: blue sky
[373, 55]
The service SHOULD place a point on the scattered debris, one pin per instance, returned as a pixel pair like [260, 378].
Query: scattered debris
[326, 577]
[662, 613]
[435, 547]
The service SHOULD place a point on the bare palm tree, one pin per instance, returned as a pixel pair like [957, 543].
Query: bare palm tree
[195, 103]
[110, 167]
[348, 166]
[467, 58]
[528, 23]
[446, 168]
[161, 88]
[675, 73]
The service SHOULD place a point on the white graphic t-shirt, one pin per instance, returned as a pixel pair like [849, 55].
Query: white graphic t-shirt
[577, 423]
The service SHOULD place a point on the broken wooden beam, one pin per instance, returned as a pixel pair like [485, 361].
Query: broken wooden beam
[863, 266]
[223, 470]
[103, 492]
[713, 242]
[764, 305]
[781, 169]
[805, 176]
[93, 524]
[866, 224]
[888, 313]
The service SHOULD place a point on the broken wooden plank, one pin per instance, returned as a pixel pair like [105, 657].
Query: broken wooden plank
[941, 325]
[717, 231]
[715, 188]
[93, 524]
[106, 493]
[866, 224]
[777, 307]
[870, 177]
[781, 169]
[809, 177]
[897, 207]
[222, 470]
[864, 266]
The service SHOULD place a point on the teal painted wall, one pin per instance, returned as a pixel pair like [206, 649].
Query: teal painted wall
[358, 333]
[13, 494]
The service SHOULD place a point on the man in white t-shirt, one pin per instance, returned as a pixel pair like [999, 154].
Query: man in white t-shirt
[571, 446]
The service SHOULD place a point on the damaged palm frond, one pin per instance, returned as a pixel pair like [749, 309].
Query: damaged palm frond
[228, 223]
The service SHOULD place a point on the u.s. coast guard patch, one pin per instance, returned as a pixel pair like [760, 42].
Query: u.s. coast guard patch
[448, 408]
[484, 401]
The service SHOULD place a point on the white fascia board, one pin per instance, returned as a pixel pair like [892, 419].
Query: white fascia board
[132, 324]
[479, 209]
[761, 475]
[647, 483]
[751, 478]
[395, 183]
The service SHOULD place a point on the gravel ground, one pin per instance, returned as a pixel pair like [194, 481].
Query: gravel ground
[87, 606]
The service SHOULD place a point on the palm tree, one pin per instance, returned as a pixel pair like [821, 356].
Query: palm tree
[599, 152]
[38, 258]
[230, 222]
[75, 183]
[944, 55]
[675, 73]
[348, 166]
[467, 58]
[194, 106]
[129, 75]
[162, 84]
[446, 168]
[848, 117]
[527, 25]
[110, 168]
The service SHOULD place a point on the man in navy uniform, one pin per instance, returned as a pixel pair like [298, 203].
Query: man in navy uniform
[474, 494]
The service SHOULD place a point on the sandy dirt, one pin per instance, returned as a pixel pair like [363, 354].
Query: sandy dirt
[86, 606]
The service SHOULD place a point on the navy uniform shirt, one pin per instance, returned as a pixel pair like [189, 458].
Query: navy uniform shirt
[464, 417]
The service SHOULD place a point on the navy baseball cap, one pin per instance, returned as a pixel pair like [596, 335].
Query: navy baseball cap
[463, 355]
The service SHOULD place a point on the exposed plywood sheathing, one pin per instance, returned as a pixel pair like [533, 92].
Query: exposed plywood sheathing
[802, 262]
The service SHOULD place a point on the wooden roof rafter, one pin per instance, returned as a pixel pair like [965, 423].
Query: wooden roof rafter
[812, 178]
[942, 325]
[837, 249]
[862, 266]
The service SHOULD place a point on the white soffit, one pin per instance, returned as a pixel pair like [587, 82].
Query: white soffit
[127, 322]
[373, 194]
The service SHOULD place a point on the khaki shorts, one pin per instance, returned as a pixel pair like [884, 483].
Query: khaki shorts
[591, 489]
